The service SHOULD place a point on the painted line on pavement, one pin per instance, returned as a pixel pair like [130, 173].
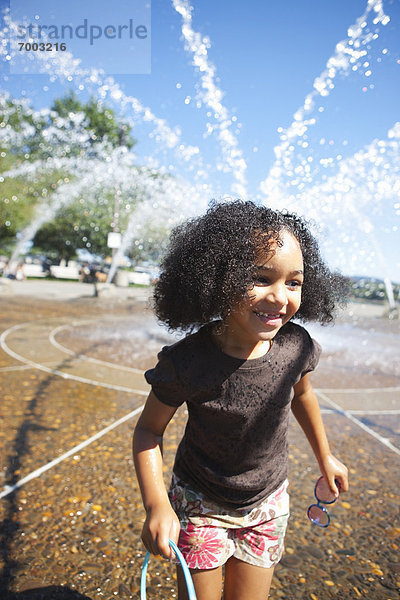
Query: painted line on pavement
[11, 488]
[31, 364]
[358, 390]
[97, 361]
[15, 368]
[62, 374]
[22, 367]
[331, 411]
[35, 474]
[354, 420]
[375, 412]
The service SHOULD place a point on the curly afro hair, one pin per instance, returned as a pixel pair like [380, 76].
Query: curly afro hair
[209, 265]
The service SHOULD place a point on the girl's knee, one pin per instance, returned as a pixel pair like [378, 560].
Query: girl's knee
[207, 583]
[244, 581]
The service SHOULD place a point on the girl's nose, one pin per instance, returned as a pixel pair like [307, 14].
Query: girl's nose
[276, 295]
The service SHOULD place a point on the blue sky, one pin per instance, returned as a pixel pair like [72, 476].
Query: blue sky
[266, 57]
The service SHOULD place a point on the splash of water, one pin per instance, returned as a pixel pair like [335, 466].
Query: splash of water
[104, 166]
[351, 200]
[360, 184]
[155, 193]
[66, 68]
[211, 95]
[347, 55]
[154, 206]
[63, 66]
[89, 174]
[293, 184]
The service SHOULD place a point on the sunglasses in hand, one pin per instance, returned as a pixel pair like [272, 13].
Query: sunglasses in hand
[317, 513]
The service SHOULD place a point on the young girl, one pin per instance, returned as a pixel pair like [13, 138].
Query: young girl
[236, 276]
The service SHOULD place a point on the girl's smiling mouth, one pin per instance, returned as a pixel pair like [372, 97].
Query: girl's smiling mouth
[269, 318]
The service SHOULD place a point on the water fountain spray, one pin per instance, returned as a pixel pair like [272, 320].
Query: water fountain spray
[361, 183]
[348, 54]
[288, 182]
[211, 95]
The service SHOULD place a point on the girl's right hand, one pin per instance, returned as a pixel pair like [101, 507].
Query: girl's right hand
[160, 526]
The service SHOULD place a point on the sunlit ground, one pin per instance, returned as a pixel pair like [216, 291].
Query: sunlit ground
[71, 368]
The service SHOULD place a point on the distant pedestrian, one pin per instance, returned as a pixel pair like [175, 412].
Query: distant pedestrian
[46, 264]
[20, 273]
[92, 273]
[3, 264]
[84, 273]
[238, 275]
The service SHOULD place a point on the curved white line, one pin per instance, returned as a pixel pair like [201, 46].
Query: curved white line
[358, 390]
[97, 361]
[375, 412]
[360, 424]
[14, 368]
[56, 344]
[11, 488]
[330, 411]
[26, 361]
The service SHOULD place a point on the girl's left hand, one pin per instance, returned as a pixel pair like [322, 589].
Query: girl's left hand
[331, 469]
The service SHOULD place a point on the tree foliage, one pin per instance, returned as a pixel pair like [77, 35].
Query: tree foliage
[100, 121]
[68, 129]
[74, 227]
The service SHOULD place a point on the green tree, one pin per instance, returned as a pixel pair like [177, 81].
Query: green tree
[18, 200]
[74, 227]
[100, 121]
[21, 129]
[28, 135]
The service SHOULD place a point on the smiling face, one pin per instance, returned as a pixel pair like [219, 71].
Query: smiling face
[272, 301]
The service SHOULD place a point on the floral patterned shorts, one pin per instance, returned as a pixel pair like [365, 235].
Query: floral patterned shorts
[210, 534]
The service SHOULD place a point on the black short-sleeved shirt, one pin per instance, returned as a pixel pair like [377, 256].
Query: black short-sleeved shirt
[234, 449]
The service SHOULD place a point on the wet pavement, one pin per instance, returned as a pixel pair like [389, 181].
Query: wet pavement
[71, 368]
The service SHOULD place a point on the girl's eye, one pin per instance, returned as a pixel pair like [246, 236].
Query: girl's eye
[294, 284]
[261, 280]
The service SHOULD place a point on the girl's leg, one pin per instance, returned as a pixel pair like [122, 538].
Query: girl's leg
[246, 582]
[207, 583]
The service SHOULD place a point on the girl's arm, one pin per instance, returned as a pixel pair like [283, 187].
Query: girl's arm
[305, 408]
[161, 522]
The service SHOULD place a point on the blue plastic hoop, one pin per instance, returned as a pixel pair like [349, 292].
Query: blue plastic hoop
[185, 568]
